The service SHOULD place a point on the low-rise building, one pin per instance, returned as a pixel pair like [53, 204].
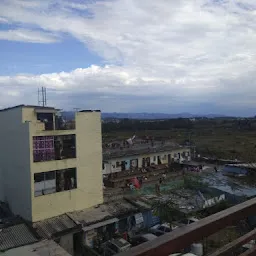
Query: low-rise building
[139, 156]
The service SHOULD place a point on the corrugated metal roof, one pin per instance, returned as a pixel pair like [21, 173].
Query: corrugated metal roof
[15, 236]
[43, 248]
[91, 215]
[121, 207]
[46, 228]
[103, 212]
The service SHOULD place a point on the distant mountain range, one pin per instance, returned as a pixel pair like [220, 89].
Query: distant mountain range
[71, 114]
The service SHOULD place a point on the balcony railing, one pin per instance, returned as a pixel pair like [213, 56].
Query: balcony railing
[183, 237]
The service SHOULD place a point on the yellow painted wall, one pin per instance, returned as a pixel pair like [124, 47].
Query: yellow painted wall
[89, 172]
[28, 114]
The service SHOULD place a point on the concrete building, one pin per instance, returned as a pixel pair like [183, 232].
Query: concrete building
[143, 155]
[48, 166]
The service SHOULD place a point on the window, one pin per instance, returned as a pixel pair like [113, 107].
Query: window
[44, 183]
[134, 163]
[66, 179]
[49, 182]
[123, 167]
[117, 164]
[43, 148]
[38, 184]
[154, 158]
[47, 148]
[54, 181]
[65, 146]
[47, 119]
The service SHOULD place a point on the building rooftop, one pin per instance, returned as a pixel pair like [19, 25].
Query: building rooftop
[27, 106]
[121, 207]
[50, 227]
[138, 148]
[43, 107]
[186, 200]
[42, 248]
[108, 212]
[91, 215]
[244, 165]
[15, 236]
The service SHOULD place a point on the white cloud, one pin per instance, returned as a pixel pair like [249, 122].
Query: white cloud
[186, 48]
[114, 88]
[25, 35]
[3, 20]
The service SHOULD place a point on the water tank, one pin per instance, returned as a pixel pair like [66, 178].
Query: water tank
[197, 249]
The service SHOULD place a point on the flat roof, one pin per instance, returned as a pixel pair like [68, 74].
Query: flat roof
[139, 150]
[27, 106]
[90, 110]
[244, 165]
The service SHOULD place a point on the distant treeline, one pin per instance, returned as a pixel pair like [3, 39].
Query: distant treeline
[138, 125]
[179, 123]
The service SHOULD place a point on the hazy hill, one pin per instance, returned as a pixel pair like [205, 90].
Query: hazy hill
[70, 115]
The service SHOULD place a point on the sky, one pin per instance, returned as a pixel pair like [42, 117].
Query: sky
[164, 56]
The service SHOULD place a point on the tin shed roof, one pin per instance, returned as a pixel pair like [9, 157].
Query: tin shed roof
[47, 228]
[15, 236]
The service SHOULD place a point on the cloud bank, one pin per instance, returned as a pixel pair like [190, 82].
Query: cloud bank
[167, 56]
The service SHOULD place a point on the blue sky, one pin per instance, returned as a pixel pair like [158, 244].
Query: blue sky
[194, 56]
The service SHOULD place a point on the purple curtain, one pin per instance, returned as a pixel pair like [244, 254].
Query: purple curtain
[43, 148]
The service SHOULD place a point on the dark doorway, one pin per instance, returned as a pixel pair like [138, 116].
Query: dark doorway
[77, 242]
[148, 161]
[169, 159]
[143, 162]
[159, 160]
[123, 165]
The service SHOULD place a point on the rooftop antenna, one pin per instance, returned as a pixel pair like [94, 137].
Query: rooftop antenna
[42, 99]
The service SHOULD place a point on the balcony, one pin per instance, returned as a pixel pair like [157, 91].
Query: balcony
[183, 237]
[51, 120]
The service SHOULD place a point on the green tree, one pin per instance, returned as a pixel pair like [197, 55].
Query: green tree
[167, 210]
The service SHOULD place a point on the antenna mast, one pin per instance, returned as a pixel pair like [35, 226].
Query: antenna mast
[42, 99]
